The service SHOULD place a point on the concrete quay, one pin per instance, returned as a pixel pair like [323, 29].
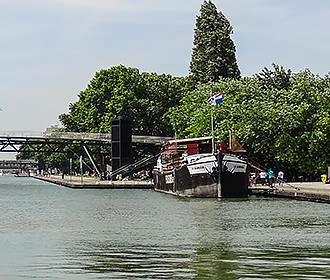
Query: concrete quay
[74, 182]
[310, 191]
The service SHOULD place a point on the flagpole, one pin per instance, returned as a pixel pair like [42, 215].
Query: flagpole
[214, 100]
[230, 140]
[212, 128]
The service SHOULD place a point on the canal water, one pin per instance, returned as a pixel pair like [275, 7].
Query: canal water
[50, 232]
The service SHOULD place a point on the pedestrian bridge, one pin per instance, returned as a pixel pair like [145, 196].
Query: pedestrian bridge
[84, 136]
[12, 141]
[18, 164]
[54, 134]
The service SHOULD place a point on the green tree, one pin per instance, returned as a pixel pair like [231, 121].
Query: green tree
[287, 129]
[213, 53]
[142, 98]
[278, 78]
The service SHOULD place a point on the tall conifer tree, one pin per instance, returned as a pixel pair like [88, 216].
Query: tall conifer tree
[213, 54]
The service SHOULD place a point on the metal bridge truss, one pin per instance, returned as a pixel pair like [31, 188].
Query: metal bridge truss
[57, 141]
[26, 144]
[63, 142]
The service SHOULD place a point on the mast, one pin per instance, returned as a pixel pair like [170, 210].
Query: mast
[230, 140]
[212, 127]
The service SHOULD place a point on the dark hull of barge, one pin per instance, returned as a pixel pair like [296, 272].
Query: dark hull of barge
[181, 183]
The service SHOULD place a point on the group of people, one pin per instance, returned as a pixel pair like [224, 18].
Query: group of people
[268, 178]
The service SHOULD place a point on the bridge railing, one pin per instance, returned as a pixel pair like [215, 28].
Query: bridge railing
[58, 134]
[20, 161]
[20, 133]
[78, 135]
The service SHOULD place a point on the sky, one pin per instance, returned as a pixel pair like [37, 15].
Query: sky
[51, 49]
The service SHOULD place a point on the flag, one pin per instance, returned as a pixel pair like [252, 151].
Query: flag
[216, 99]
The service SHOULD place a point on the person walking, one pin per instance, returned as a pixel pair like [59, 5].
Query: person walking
[263, 176]
[271, 177]
[280, 178]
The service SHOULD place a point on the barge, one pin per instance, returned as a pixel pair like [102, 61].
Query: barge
[189, 168]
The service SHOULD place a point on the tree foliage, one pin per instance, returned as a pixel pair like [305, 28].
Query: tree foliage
[142, 98]
[281, 118]
[284, 128]
[279, 78]
[213, 55]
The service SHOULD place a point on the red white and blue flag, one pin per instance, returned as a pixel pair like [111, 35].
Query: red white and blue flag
[216, 99]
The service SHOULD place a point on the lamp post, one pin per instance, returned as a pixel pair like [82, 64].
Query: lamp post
[70, 169]
[81, 170]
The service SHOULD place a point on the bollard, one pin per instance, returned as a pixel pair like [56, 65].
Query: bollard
[324, 178]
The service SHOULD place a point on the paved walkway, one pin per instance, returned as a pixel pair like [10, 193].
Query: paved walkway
[310, 187]
[313, 191]
[75, 182]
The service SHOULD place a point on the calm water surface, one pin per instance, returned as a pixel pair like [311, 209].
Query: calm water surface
[50, 232]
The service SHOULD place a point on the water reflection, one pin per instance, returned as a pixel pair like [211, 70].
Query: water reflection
[232, 239]
[285, 263]
[216, 262]
[155, 262]
[135, 262]
[48, 232]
